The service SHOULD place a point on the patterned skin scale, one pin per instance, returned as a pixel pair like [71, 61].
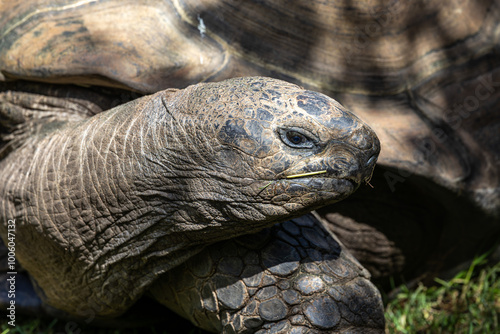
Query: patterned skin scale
[112, 202]
[291, 278]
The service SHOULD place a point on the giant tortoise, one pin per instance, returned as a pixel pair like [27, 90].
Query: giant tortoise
[423, 74]
[101, 210]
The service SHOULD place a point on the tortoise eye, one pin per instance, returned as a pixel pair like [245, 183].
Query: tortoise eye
[296, 139]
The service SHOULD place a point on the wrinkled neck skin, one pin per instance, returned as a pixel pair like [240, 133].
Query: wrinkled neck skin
[120, 198]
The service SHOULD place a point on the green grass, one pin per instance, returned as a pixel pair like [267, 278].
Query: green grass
[30, 326]
[468, 303]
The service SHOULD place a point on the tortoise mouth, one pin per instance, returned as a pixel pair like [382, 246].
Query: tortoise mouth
[323, 183]
[355, 177]
[314, 191]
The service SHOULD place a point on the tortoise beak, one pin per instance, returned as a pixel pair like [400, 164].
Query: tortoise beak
[370, 166]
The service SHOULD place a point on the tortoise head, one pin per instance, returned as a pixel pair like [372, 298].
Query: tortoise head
[270, 148]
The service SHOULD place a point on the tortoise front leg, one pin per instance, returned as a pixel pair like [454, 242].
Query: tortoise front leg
[291, 278]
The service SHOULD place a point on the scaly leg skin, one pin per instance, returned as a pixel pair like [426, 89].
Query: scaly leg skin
[291, 278]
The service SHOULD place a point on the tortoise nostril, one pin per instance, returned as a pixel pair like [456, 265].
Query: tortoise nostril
[361, 139]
